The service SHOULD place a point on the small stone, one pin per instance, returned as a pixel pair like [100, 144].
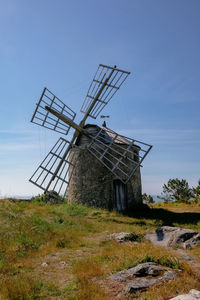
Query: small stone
[187, 258]
[44, 264]
[63, 263]
[192, 295]
[181, 251]
[169, 275]
[121, 237]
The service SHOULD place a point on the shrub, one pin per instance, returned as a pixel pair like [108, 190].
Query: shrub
[147, 199]
[176, 190]
[51, 197]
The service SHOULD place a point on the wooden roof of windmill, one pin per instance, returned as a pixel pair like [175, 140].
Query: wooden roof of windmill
[106, 134]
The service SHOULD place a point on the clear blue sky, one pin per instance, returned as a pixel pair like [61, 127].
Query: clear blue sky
[59, 44]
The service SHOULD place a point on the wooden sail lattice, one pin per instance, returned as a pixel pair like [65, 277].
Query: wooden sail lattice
[120, 155]
[46, 169]
[43, 118]
[111, 87]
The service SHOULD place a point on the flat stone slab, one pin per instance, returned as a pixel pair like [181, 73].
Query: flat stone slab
[142, 277]
[119, 237]
[141, 270]
[171, 236]
[192, 295]
[122, 237]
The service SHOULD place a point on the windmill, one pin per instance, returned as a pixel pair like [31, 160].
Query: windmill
[120, 156]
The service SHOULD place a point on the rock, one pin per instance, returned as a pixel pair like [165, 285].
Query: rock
[192, 242]
[145, 269]
[182, 235]
[192, 295]
[169, 275]
[121, 237]
[44, 264]
[187, 258]
[142, 277]
[195, 293]
[171, 236]
[63, 263]
[139, 284]
[181, 251]
[161, 236]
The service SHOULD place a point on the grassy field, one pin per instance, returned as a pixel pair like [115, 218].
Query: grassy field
[61, 251]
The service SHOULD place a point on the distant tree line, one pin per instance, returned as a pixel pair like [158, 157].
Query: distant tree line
[176, 190]
[179, 191]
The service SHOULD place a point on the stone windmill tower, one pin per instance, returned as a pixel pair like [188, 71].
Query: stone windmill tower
[98, 166]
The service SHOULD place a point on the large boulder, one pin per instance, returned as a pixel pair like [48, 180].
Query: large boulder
[142, 277]
[171, 236]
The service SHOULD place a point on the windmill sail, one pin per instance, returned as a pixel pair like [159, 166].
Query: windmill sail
[120, 154]
[46, 169]
[112, 86]
[43, 118]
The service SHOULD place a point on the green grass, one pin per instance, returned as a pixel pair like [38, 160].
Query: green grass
[171, 262]
[36, 232]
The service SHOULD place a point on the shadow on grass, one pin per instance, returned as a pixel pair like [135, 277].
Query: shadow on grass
[166, 217]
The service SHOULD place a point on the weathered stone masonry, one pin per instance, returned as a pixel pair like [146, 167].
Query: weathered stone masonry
[93, 184]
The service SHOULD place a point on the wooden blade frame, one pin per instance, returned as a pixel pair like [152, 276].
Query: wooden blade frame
[46, 169]
[52, 113]
[112, 85]
[78, 128]
[119, 154]
[42, 117]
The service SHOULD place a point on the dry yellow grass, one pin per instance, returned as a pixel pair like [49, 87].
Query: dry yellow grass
[32, 233]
